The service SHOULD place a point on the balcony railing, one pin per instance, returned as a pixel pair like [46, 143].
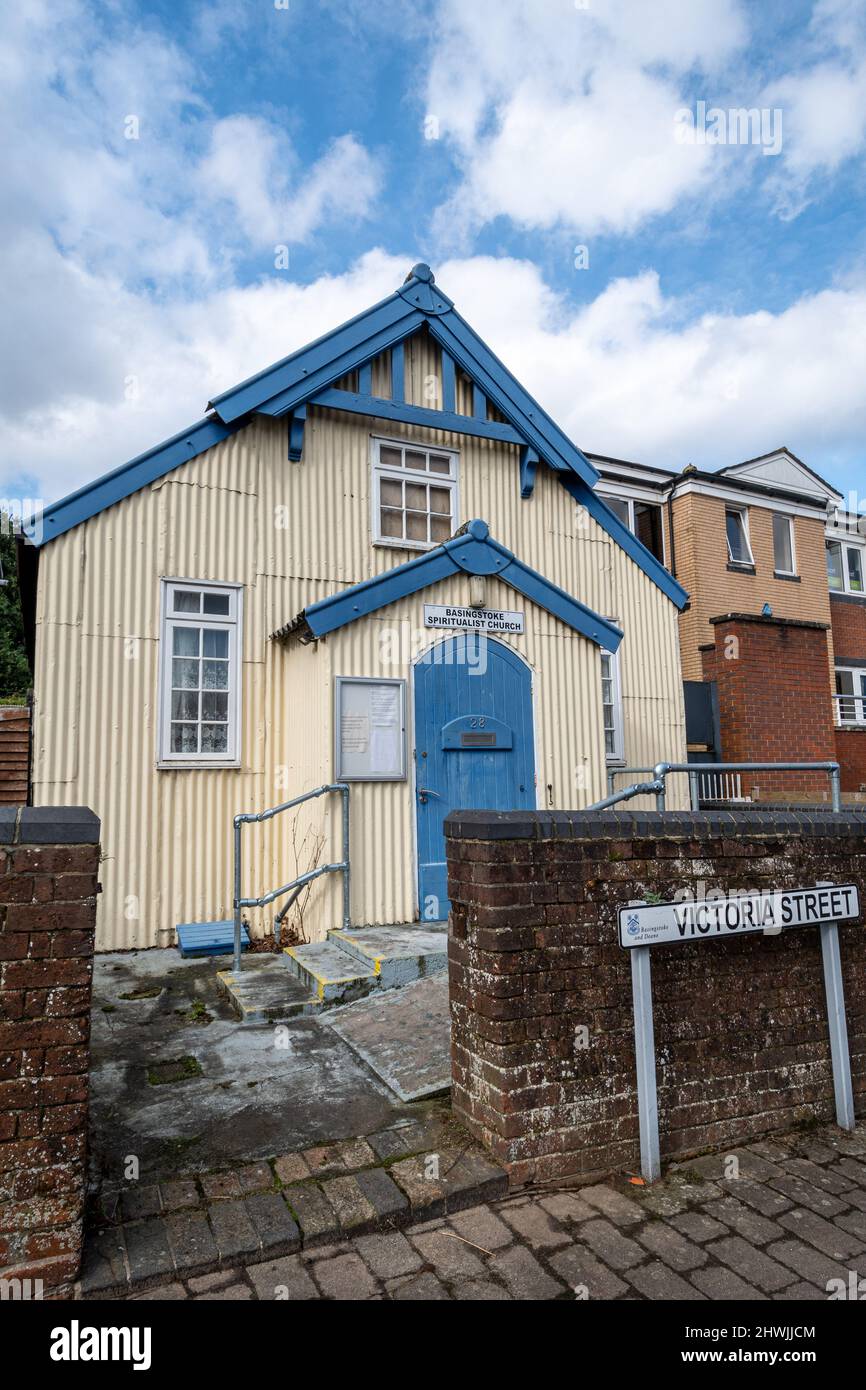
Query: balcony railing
[850, 709]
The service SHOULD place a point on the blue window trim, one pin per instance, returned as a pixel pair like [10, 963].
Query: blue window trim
[473, 551]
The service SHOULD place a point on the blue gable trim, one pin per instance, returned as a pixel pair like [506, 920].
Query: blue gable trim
[473, 551]
[601, 512]
[286, 388]
[308, 373]
[122, 482]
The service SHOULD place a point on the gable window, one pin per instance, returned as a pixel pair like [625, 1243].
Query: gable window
[737, 530]
[644, 519]
[783, 544]
[414, 494]
[611, 701]
[850, 695]
[199, 698]
[845, 568]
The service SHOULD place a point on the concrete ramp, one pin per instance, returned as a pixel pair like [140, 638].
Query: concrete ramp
[404, 1035]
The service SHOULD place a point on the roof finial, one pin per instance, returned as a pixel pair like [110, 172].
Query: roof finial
[421, 272]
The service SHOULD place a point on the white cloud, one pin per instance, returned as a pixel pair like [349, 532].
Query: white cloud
[625, 376]
[252, 166]
[823, 102]
[566, 116]
[622, 375]
[186, 195]
[91, 221]
[118, 372]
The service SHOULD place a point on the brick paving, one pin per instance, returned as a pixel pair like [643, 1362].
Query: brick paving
[751, 1224]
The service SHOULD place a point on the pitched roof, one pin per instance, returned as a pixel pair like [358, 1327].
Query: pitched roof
[472, 551]
[309, 377]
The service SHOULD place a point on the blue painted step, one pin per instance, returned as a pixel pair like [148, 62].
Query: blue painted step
[209, 938]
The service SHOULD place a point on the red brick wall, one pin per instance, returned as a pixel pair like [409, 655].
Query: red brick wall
[849, 644]
[851, 756]
[740, 1024]
[849, 628]
[774, 700]
[49, 860]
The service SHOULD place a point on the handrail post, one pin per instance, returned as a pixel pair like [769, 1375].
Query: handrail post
[237, 903]
[347, 873]
[836, 786]
[695, 790]
[660, 773]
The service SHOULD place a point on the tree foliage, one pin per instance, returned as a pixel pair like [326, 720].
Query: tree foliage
[15, 675]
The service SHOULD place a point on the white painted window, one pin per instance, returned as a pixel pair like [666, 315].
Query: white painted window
[737, 529]
[415, 502]
[611, 701]
[845, 566]
[199, 700]
[850, 695]
[784, 559]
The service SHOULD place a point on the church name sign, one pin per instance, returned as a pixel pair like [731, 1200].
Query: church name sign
[473, 619]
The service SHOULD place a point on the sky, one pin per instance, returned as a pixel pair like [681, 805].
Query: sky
[193, 190]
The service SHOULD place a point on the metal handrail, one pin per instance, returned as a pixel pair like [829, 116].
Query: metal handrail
[639, 789]
[299, 883]
[695, 771]
[849, 710]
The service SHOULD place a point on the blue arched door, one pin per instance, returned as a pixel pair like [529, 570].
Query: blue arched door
[474, 746]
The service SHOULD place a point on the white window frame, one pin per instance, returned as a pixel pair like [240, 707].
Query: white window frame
[743, 513]
[340, 773]
[380, 471]
[846, 545]
[782, 516]
[859, 676]
[617, 757]
[231, 623]
[630, 503]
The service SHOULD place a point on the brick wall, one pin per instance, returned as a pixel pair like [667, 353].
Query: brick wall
[774, 700]
[851, 756]
[848, 615]
[741, 1034]
[14, 754]
[702, 567]
[48, 886]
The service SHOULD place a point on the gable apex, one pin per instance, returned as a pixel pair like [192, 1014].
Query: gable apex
[782, 468]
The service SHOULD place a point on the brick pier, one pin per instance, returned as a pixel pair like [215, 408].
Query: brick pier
[49, 861]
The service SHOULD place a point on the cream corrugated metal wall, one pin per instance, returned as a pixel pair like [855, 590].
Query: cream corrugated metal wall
[292, 533]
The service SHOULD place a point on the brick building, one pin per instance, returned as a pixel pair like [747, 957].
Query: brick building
[773, 640]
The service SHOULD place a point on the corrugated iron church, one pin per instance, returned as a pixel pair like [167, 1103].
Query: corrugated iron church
[378, 563]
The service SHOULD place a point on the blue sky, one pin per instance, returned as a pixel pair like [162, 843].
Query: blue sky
[722, 310]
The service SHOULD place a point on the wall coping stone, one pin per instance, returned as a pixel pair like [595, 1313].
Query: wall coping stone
[48, 825]
[743, 822]
[770, 621]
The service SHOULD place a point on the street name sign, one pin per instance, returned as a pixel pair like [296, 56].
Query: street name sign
[661, 924]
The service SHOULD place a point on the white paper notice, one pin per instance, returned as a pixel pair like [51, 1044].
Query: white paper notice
[355, 733]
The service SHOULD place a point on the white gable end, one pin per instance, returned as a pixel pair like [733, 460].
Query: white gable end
[784, 471]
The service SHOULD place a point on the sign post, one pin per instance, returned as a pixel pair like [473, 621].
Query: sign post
[645, 1056]
[835, 991]
[643, 926]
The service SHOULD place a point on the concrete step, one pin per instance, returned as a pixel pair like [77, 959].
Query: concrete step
[265, 992]
[397, 955]
[328, 972]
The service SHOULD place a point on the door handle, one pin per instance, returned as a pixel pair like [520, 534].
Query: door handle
[424, 792]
